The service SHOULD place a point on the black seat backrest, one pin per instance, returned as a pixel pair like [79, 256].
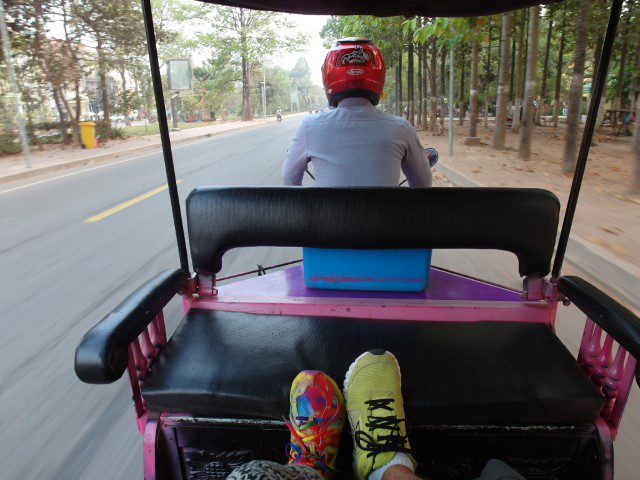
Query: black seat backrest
[518, 220]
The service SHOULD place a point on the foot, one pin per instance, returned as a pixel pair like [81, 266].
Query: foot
[372, 390]
[316, 419]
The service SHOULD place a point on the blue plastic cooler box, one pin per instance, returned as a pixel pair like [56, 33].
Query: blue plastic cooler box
[377, 270]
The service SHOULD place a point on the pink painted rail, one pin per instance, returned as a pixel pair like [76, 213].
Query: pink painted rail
[610, 367]
[143, 352]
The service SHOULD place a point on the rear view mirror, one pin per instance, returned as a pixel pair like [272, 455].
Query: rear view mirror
[432, 156]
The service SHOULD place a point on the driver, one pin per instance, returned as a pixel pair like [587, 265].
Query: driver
[355, 144]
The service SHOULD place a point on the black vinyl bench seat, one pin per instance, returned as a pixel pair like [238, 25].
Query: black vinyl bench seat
[239, 364]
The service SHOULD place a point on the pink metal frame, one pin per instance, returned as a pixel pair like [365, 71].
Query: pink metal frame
[431, 311]
[280, 293]
[611, 373]
[608, 365]
[604, 430]
[143, 352]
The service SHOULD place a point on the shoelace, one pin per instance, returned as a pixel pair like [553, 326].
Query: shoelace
[299, 450]
[393, 442]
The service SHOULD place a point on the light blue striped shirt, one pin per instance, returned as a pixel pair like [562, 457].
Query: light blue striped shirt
[356, 145]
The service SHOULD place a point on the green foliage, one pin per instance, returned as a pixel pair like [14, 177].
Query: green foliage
[386, 32]
[446, 30]
[168, 15]
[301, 83]
[128, 100]
[9, 143]
[279, 87]
[118, 133]
[109, 133]
[108, 36]
[247, 38]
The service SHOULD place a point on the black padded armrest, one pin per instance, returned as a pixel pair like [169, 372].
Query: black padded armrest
[618, 321]
[102, 354]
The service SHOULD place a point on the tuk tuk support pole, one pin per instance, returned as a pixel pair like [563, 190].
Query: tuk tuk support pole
[583, 154]
[164, 134]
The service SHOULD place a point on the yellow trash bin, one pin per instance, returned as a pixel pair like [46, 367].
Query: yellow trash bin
[88, 134]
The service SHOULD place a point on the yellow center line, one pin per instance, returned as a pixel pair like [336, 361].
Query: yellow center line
[126, 204]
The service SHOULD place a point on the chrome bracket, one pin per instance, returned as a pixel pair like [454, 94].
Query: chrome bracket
[206, 285]
[533, 288]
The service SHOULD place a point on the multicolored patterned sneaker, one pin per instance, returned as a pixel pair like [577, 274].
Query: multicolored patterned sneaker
[316, 419]
[372, 390]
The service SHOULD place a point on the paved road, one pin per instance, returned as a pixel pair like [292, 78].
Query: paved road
[71, 249]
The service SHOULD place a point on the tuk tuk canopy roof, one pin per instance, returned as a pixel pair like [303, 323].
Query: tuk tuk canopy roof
[386, 8]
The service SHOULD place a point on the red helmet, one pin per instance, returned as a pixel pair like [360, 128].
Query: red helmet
[354, 67]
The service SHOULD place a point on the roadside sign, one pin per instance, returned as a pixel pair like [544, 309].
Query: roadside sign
[179, 75]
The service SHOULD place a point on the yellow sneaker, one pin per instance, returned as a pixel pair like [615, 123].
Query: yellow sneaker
[372, 392]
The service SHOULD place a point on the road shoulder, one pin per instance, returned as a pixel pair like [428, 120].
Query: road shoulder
[622, 278]
[12, 168]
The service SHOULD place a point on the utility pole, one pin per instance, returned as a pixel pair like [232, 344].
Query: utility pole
[451, 99]
[264, 93]
[17, 104]
[174, 110]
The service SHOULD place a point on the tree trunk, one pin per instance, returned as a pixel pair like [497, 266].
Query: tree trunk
[62, 126]
[545, 69]
[575, 93]
[443, 61]
[512, 75]
[420, 93]
[499, 131]
[530, 85]
[517, 104]
[559, 66]
[400, 85]
[123, 79]
[75, 127]
[78, 99]
[486, 85]
[617, 101]
[633, 91]
[102, 76]
[247, 113]
[75, 117]
[433, 95]
[473, 99]
[461, 109]
[425, 117]
[398, 99]
[636, 146]
[597, 55]
[411, 113]
[76, 73]
[30, 128]
[124, 99]
[633, 87]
